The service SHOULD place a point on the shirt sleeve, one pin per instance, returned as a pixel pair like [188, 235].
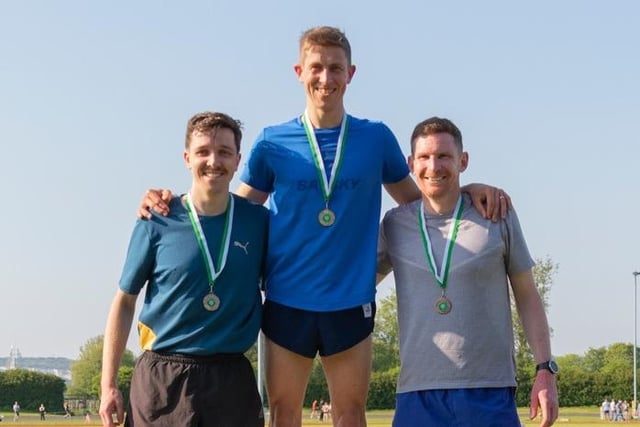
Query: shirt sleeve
[257, 172]
[394, 168]
[138, 265]
[518, 258]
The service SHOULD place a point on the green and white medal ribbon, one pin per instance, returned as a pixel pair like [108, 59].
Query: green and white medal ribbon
[443, 304]
[211, 301]
[326, 217]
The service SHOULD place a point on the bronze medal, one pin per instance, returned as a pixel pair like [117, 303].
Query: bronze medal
[326, 217]
[443, 305]
[211, 302]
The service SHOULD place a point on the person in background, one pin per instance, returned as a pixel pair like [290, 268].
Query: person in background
[67, 410]
[16, 411]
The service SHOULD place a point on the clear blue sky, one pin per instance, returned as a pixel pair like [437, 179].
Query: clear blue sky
[94, 98]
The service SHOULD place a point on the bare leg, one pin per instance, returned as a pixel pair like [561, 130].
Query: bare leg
[287, 375]
[348, 375]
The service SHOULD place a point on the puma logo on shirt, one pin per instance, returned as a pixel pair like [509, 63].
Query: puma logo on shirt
[240, 245]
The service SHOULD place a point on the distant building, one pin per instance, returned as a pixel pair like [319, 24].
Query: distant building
[58, 366]
[14, 355]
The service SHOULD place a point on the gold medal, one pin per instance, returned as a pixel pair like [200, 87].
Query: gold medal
[211, 302]
[326, 217]
[443, 305]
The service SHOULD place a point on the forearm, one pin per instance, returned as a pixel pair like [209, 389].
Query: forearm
[544, 392]
[533, 318]
[115, 336]
[536, 328]
[248, 192]
[404, 191]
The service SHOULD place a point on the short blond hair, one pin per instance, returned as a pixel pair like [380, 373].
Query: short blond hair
[325, 36]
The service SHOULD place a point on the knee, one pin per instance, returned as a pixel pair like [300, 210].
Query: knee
[283, 415]
[349, 420]
[352, 415]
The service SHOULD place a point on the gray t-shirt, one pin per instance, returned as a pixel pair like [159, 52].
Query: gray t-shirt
[472, 346]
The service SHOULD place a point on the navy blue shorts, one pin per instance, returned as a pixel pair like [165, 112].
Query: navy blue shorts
[486, 407]
[309, 332]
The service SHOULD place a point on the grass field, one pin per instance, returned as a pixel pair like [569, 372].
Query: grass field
[574, 417]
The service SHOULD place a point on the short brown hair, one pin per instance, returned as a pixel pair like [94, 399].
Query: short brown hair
[325, 36]
[206, 121]
[434, 125]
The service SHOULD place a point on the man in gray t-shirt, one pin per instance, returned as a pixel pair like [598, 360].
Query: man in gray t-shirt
[452, 270]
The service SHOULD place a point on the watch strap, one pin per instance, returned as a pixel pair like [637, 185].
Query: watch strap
[549, 365]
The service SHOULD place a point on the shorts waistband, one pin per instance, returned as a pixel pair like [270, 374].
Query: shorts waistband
[194, 359]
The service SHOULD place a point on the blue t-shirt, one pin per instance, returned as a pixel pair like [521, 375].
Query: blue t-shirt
[164, 254]
[310, 266]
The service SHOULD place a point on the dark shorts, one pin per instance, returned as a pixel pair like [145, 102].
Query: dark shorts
[309, 332]
[177, 390]
[487, 407]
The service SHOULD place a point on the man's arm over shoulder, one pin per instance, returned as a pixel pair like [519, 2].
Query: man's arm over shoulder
[404, 191]
[491, 202]
[383, 261]
[156, 199]
[248, 192]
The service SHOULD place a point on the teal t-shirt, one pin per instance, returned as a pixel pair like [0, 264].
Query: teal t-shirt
[164, 254]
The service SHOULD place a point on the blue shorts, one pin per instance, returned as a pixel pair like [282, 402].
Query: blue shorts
[309, 332]
[486, 407]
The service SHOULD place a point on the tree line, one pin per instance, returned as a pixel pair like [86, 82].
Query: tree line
[30, 389]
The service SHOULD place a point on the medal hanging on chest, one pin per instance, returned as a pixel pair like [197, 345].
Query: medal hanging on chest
[442, 305]
[211, 301]
[326, 217]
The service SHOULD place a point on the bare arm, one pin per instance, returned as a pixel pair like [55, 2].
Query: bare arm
[404, 191]
[490, 202]
[248, 192]
[115, 340]
[158, 199]
[544, 393]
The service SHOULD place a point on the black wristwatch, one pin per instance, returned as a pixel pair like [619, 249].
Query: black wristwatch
[549, 365]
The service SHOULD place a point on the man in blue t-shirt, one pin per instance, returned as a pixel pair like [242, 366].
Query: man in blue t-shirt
[202, 266]
[322, 173]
